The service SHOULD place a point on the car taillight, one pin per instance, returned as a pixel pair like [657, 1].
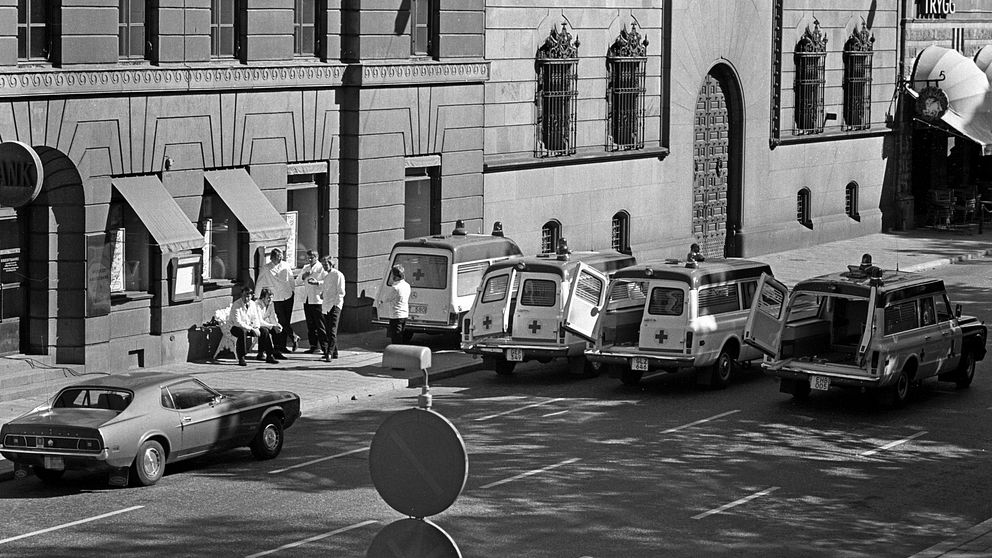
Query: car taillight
[452, 318]
[465, 326]
[561, 332]
[688, 342]
[874, 363]
[15, 442]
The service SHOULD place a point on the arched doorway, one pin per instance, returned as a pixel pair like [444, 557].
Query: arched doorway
[717, 151]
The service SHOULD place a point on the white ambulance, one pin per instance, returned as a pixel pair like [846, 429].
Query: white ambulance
[673, 315]
[539, 308]
[444, 272]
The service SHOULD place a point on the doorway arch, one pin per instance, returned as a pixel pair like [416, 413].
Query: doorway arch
[718, 146]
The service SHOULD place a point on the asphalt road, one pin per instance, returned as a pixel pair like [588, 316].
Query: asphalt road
[574, 468]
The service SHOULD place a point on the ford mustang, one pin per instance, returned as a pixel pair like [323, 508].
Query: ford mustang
[134, 424]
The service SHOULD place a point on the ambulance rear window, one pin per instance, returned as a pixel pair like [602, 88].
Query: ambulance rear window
[495, 288]
[539, 292]
[424, 271]
[666, 301]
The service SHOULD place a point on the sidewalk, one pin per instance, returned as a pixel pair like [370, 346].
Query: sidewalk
[357, 373]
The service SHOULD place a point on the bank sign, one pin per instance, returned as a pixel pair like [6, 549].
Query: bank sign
[935, 8]
[20, 174]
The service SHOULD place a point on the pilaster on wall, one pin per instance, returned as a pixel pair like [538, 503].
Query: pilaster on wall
[88, 32]
[8, 32]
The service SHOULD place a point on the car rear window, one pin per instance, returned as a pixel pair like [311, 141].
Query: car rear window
[539, 292]
[589, 288]
[627, 294]
[666, 301]
[93, 398]
[424, 271]
[469, 276]
[495, 289]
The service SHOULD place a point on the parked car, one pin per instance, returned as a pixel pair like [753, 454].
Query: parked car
[864, 328]
[539, 308]
[675, 315]
[444, 272]
[133, 424]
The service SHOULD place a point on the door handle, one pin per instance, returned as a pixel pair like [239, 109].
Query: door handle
[187, 419]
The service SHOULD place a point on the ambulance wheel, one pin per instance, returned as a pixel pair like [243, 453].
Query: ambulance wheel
[407, 337]
[720, 370]
[966, 370]
[580, 366]
[899, 391]
[500, 366]
[631, 377]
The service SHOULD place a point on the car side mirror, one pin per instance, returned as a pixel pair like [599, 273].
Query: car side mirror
[215, 400]
[957, 310]
[594, 312]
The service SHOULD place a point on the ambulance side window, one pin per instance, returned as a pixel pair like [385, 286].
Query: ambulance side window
[748, 288]
[943, 308]
[900, 317]
[719, 299]
[495, 288]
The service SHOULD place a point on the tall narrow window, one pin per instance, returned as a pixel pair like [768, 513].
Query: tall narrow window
[131, 29]
[557, 90]
[550, 237]
[857, 79]
[620, 232]
[625, 64]
[421, 32]
[306, 40]
[34, 30]
[811, 56]
[802, 208]
[851, 200]
[224, 28]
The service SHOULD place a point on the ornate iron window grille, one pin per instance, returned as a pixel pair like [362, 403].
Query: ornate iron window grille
[550, 235]
[802, 208]
[620, 232]
[857, 79]
[625, 65]
[557, 93]
[811, 56]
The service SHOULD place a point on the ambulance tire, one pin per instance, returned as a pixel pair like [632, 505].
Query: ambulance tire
[581, 367]
[721, 370]
[631, 377]
[407, 337]
[966, 370]
[498, 365]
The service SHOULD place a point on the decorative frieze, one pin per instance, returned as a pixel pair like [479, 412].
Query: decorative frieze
[154, 79]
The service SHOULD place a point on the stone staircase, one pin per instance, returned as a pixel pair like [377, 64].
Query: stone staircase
[34, 376]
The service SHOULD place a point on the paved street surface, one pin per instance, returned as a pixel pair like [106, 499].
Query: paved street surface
[770, 461]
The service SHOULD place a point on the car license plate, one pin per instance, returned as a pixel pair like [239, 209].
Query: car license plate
[418, 308]
[54, 462]
[821, 383]
[639, 363]
[515, 355]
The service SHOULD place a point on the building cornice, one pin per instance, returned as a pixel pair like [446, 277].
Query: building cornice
[129, 79]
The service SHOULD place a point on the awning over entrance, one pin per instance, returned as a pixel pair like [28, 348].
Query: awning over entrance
[170, 228]
[248, 204]
[969, 106]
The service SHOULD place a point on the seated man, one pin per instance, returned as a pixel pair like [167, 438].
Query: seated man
[247, 321]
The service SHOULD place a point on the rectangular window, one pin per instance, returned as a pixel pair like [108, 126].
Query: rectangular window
[132, 256]
[857, 90]
[590, 288]
[900, 317]
[421, 15]
[557, 90]
[469, 276]
[305, 38]
[303, 198]
[627, 294]
[625, 103]
[717, 300]
[666, 301]
[495, 289]
[223, 28]
[422, 203]
[220, 231]
[809, 86]
[34, 29]
[131, 29]
[539, 292]
[424, 271]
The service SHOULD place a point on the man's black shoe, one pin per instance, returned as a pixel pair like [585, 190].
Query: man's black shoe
[293, 340]
[241, 362]
[279, 355]
[327, 359]
[271, 360]
[313, 350]
[259, 356]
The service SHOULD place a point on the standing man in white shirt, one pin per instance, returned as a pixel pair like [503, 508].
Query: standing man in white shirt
[311, 278]
[277, 275]
[332, 293]
[393, 302]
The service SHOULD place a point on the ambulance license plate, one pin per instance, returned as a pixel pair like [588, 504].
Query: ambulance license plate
[820, 383]
[418, 308]
[639, 364]
[515, 355]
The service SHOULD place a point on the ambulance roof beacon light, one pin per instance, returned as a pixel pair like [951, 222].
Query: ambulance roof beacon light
[693, 256]
[459, 228]
[563, 250]
[498, 228]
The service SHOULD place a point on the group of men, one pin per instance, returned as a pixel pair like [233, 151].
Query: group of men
[269, 319]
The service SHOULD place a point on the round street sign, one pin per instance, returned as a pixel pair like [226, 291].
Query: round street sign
[418, 462]
[21, 174]
[413, 538]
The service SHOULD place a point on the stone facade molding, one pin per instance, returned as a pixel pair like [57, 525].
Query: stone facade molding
[156, 79]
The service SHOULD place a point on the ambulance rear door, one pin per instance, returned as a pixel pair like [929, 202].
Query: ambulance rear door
[666, 317]
[491, 310]
[586, 298]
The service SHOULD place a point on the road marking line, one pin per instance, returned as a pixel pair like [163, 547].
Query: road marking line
[555, 413]
[529, 473]
[313, 539]
[487, 417]
[311, 462]
[700, 421]
[735, 503]
[65, 525]
[654, 375]
[893, 444]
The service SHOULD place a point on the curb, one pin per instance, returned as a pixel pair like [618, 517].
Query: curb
[947, 261]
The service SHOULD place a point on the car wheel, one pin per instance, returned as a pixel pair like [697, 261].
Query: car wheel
[800, 390]
[268, 442]
[720, 370]
[580, 366]
[407, 337]
[149, 464]
[899, 391]
[631, 377]
[966, 370]
[48, 476]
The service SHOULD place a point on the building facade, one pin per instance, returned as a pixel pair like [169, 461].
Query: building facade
[174, 144]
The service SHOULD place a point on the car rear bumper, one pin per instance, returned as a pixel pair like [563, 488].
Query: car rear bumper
[422, 327]
[70, 460]
[530, 351]
[654, 361]
[836, 379]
